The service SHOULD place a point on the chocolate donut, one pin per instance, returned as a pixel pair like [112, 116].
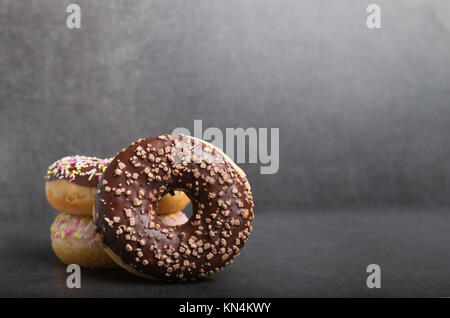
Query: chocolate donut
[71, 183]
[138, 177]
[81, 170]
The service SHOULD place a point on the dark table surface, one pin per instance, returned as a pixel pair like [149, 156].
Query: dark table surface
[291, 253]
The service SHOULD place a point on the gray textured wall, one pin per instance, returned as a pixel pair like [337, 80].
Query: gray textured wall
[364, 115]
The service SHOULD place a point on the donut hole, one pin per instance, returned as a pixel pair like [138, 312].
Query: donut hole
[170, 206]
[188, 210]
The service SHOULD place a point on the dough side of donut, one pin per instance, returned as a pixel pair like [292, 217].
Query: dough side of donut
[69, 197]
[74, 241]
[83, 256]
[172, 203]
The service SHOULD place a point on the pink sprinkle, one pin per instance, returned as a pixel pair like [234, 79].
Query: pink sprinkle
[71, 180]
[70, 230]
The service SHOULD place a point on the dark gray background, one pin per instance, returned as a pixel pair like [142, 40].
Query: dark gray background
[364, 115]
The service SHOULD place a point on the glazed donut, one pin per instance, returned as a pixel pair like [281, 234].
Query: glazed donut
[71, 184]
[138, 177]
[174, 219]
[75, 241]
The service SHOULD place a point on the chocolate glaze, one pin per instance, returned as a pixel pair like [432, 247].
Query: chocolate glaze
[81, 170]
[125, 208]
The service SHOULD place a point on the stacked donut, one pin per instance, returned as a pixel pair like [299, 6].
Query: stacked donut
[126, 210]
[71, 184]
